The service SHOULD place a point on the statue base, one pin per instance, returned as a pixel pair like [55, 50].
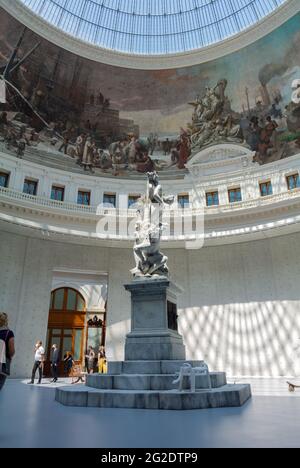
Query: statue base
[154, 329]
[154, 356]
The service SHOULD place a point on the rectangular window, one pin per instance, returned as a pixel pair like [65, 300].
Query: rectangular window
[183, 201]
[132, 199]
[109, 199]
[293, 181]
[4, 178]
[212, 198]
[30, 187]
[84, 198]
[235, 195]
[57, 193]
[266, 189]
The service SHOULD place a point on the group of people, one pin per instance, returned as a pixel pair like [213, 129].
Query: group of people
[16, 138]
[213, 121]
[127, 153]
[94, 362]
[262, 137]
[68, 362]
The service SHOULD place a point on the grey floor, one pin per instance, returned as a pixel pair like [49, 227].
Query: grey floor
[29, 417]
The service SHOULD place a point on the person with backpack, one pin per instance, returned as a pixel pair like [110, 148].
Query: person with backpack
[7, 348]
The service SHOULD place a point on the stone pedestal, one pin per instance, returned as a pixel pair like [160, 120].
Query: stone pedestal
[154, 353]
[154, 332]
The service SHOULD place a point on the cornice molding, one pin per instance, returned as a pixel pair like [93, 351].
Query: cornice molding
[151, 62]
[234, 234]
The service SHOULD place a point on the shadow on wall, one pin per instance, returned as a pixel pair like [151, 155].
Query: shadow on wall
[245, 339]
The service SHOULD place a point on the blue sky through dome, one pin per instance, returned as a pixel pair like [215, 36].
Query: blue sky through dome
[152, 26]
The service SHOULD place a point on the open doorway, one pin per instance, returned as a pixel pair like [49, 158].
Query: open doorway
[66, 326]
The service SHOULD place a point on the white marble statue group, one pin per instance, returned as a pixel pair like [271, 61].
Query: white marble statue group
[149, 261]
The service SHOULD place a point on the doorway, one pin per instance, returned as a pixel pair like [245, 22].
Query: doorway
[67, 313]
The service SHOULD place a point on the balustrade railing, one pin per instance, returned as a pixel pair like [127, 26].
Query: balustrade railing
[11, 196]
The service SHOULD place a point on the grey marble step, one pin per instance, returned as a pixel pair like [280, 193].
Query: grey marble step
[148, 367]
[82, 396]
[151, 382]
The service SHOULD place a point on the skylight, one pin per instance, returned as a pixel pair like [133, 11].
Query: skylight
[152, 26]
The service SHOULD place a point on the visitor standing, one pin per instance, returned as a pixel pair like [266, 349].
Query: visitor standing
[39, 355]
[54, 362]
[90, 356]
[68, 363]
[102, 362]
[7, 348]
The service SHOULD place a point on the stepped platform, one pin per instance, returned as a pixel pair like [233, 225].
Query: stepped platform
[149, 385]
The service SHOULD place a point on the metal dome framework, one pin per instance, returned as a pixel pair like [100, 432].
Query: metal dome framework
[152, 27]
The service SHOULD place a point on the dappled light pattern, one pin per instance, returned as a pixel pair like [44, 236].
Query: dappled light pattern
[257, 338]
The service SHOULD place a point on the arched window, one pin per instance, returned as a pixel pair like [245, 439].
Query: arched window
[68, 300]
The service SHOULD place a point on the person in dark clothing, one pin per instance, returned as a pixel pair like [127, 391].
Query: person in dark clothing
[68, 363]
[54, 362]
[7, 340]
[65, 144]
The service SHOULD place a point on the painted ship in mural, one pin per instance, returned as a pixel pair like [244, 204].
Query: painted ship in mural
[120, 121]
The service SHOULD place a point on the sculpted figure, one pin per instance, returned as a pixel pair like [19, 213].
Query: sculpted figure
[155, 190]
[149, 261]
[212, 121]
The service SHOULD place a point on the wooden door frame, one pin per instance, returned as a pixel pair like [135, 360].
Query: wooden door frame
[65, 319]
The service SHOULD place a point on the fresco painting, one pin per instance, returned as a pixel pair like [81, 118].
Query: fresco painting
[120, 121]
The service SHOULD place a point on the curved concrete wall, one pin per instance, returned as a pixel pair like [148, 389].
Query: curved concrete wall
[240, 309]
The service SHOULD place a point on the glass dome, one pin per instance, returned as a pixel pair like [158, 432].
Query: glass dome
[152, 26]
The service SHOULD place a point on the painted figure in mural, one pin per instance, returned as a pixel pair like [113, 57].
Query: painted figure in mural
[293, 109]
[88, 154]
[22, 141]
[263, 138]
[100, 99]
[152, 142]
[144, 162]
[184, 149]
[213, 119]
[119, 159]
[131, 149]
[80, 144]
[3, 120]
[253, 133]
[167, 146]
[149, 261]
[103, 160]
[270, 129]
[65, 144]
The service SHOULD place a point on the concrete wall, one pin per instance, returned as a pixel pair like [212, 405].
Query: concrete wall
[240, 309]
